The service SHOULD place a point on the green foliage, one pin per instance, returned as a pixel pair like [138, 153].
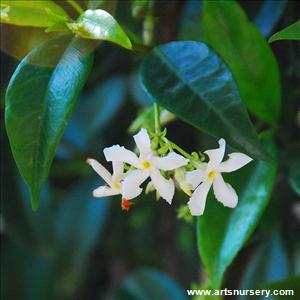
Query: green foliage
[100, 25]
[148, 284]
[291, 32]
[222, 232]
[207, 98]
[44, 13]
[228, 31]
[35, 118]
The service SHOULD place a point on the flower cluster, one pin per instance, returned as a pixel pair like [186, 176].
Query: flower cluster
[190, 174]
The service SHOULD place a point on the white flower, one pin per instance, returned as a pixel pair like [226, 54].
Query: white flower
[113, 181]
[147, 164]
[210, 174]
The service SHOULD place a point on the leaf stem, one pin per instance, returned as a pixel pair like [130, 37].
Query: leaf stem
[76, 6]
[179, 149]
[157, 118]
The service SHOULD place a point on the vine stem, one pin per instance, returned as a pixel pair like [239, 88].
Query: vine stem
[76, 6]
[179, 149]
[156, 118]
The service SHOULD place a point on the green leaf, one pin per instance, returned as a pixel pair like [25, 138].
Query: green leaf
[39, 101]
[44, 13]
[140, 285]
[221, 232]
[227, 30]
[291, 32]
[100, 25]
[191, 81]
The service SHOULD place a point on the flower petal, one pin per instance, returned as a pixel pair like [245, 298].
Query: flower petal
[198, 199]
[121, 154]
[170, 162]
[105, 191]
[164, 187]
[131, 185]
[118, 169]
[234, 162]
[224, 192]
[194, 178]
[143, 142]
[100, 170]
[215, 155]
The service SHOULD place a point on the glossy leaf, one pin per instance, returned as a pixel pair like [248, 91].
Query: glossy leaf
[100, 25]
[291, 32]
[228, 31]
[191, 81]
[222, 232]
[44, 13]
[149, 284]
[39, 101]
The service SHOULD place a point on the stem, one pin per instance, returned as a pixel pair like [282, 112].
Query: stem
[76, 6]
[180, 150]
[156, 118]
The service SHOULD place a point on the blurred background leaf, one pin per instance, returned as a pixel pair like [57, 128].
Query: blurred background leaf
[149, 284]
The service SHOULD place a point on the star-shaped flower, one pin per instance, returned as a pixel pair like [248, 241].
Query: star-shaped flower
[203, 178]
[147, 165]
[113, 186]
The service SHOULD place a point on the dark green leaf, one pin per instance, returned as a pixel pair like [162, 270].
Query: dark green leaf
[191, 81]
[227, 30]
[291, 32]
[149, 284]
[221, 232]
[100, 25]
[44, 13]
[39, 101]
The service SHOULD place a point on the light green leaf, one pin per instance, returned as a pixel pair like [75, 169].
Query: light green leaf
[227, 30]
[100, 25]
[222, 232]
[291, 32]
[191, 81]
[44, 13]
[39, 101]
